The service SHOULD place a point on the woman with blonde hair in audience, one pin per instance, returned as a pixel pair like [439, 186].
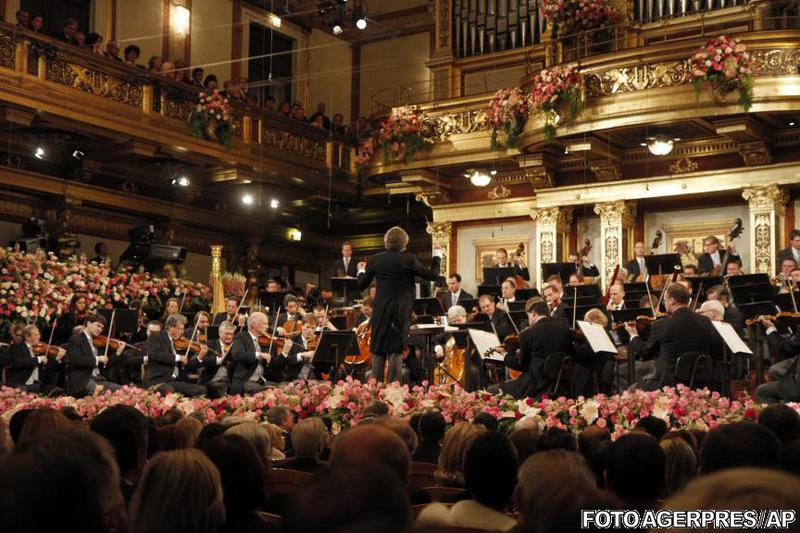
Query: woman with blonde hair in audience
[450, 471]
[278, 442]
[179, 492]
[681, 464]
[44, 421]
[257, 435]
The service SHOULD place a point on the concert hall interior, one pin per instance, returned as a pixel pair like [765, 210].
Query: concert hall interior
[452, 265]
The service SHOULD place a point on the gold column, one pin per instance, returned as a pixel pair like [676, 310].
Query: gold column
[552, 232]
[441, 233]
[218, 300]
[445, 79]
[767, 208]
[617, 220]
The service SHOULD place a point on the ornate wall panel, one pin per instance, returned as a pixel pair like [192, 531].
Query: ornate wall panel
[93, 82]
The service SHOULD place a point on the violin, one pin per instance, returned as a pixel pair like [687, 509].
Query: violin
[773, 318]
[266, 340]
[312, 342]
[183, 344]
[292, 328]
[50, 350]
[511, 345]
[101, 341]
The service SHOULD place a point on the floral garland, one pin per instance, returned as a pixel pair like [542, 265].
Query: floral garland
[553, 89]
[576, 15]
[508, 110]
[211, 119]
[38, 286]
[724, 63]
[365, 152]
[345, 402]
[400, 135]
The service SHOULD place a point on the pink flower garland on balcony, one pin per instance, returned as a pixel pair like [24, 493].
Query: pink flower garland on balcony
[508, 110]
[556, 95]
[725, 63]
[401, 135]
[576, 15]
[211, 119]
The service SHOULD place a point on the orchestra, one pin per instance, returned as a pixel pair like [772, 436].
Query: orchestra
[242, 350]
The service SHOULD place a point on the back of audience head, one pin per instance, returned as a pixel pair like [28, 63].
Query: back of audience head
[525, 442]
[309, 438]
[125, 428]
[432, 426]
[256, 435]
[373, 443]
[635, 469]
[490, 470]
[44, 421]
[376, 409]
[180, 492]
[652, 425]
[208, 432]
[738, 445]
[486, 420]
[57, 479]
[281, 417]
[556, 439]
[351, 496]
[782, 420]
[450, 468]
[680, 465]
[241, 474]
[17, 422]
[403, 430]
[592, 436]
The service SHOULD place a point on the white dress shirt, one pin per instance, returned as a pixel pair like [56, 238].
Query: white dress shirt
[40, 360]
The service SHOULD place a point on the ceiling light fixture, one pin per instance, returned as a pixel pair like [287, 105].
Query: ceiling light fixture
[361, 23]
[247, 199]
[181, 181]
[479, 177]
[338, 29]
[791, 124]
[660, 145]
[39, 152]
[181, 20]
[77, 154]
[274, 203]
[295, 235]
[275, 20]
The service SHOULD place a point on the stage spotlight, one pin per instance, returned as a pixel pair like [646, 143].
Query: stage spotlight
[247, 199]
[361, 23]
[274, 203]
[39, 152]
[337, 29]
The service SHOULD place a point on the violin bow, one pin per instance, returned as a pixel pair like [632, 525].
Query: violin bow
[110, 328]
[183, 300]
[575, 305]
[274, 329]
[52, 332]
[189, 345]
[241, 303]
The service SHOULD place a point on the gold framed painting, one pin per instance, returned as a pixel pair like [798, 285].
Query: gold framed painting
[692, 235]
[486, 248]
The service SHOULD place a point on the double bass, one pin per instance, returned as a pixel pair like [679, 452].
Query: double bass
[519, 253]
[653, 249]
[736, 230]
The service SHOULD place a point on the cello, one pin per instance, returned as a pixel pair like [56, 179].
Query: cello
[451, 370]
[519, 253]
[364, 337]
[736, 230]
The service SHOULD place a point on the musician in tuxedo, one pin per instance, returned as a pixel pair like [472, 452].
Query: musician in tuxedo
[589, 363]
[215, 376]
[680, 333]
[616, 300]
[168, 368]
[793, 251]
[454, 293]
[732, 315]
[200, 327]
[508, 292]
[83, 360]
[297, 353]
[320, 314]
[544, 337]
[520, 269]
[501, 324]
[26, 370]
[558, 308]
[231, 314]
[714, 255]
[583, 265]
[395, 272]
[637, 265]
[291, 312]
[786, 372]
[346, 265]
[254, 369]
[135, 358]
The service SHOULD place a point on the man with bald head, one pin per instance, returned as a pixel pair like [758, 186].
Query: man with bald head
[253, 367]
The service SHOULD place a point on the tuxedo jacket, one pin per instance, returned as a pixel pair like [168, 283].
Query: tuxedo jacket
[245, 361]
[161, 361]
[447, 299]
[350, 271]
[81, 363]
[632, 267]
[706, 264]
[293, 363]
[21, 365]
[783, 255]
[502, 324]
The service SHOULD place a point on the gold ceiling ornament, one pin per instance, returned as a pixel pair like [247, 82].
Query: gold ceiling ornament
[683, 166]
[440, 231]
[755, 153]
[498, 193]
[766, 198]
[616, 212]
[548, 216]
[433, 197]
[606, 170]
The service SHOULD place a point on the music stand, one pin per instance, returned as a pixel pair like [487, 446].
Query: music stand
[750, 293]
[516, 306]
[520, 318]
[425, 319]
[749, 279]
[629, 315]
[428, 306]
[212, 333]
[491, 290]
[585, 292]
[639, 286]
[497, 275]
[125, 320]
[484, 325]
[663, 264]
[273, 300]
[333, 347]
[344, 287]
[526, 294]
[784, 302]
[468, 304]
[563, 270]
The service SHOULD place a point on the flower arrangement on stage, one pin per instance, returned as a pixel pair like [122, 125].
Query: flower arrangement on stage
[345, 402]
[726, 65]
[35, 287]
[211, 119]
[400, 135]
[576, 15]
[556, 95]
[508, 110]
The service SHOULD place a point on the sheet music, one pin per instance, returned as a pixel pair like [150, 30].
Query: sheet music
[434, 326]
[484, 341]
[731, 338]
[597, 337]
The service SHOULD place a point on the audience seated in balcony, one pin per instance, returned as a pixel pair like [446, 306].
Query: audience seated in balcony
[94, 43]
[154, 64]
[285, 109]
[298, 113]
[325, 121]
[68, 31]
[180, 70]
[23, 19]
[269, 103]
[37, 21]
[197, 77]
[112, 51]
[132, 53]
[211, 83]
[79, 39]
[338, 124]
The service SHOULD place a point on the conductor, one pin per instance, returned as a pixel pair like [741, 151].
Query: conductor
[394, 271]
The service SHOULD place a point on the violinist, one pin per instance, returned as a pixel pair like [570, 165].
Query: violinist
[297, 354]
[215, 368]
[793, 251]
[75, 315]
[173, 307]
[499, 319]
[556, 281]
[545, 336]
[732, 315]
[590, 363]
[681, 332]
[28, 358]
[616, 302]
[711, 260]
[254, 365]
[201, 322]
[135, 358]
[734, 269]
[575, 280]
[321, 319]
[712, 310]
[84, 359]
[552, 296]
[231, 314]
[637, 267]
[457, 315]
[583, 265]
[167, 365]
[786, 384]
[291, 318]
[501, 261]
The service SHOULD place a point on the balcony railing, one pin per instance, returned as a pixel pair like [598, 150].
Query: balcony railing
[133, 91]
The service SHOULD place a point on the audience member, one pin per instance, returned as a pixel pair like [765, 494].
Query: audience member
[44, 422]
[739, 445]
[309, 437]
[132, 53]
[338, 124]
[525, 441]
[635, 469]
[403, 430]
[376, 409]
[298, 113]
[37, 21]
[155, 64]
[208, 432]
[23, 19]
[79, 39]
[197, 77]
[16, 423]
[655, 426]
[94, 43]
[285, 109]
[257, 435]
[243, 482]
[486, 420]
[211, 83]
[112, 50]
[68, 31]
[284, 419]
[269, 103]
[680, 465]
[432, 426]
[556, 439]
[782, 421]
[125, 428]
[181, 492]
[490, 474]
[180, 73]
[790, 458]
[61, 481]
